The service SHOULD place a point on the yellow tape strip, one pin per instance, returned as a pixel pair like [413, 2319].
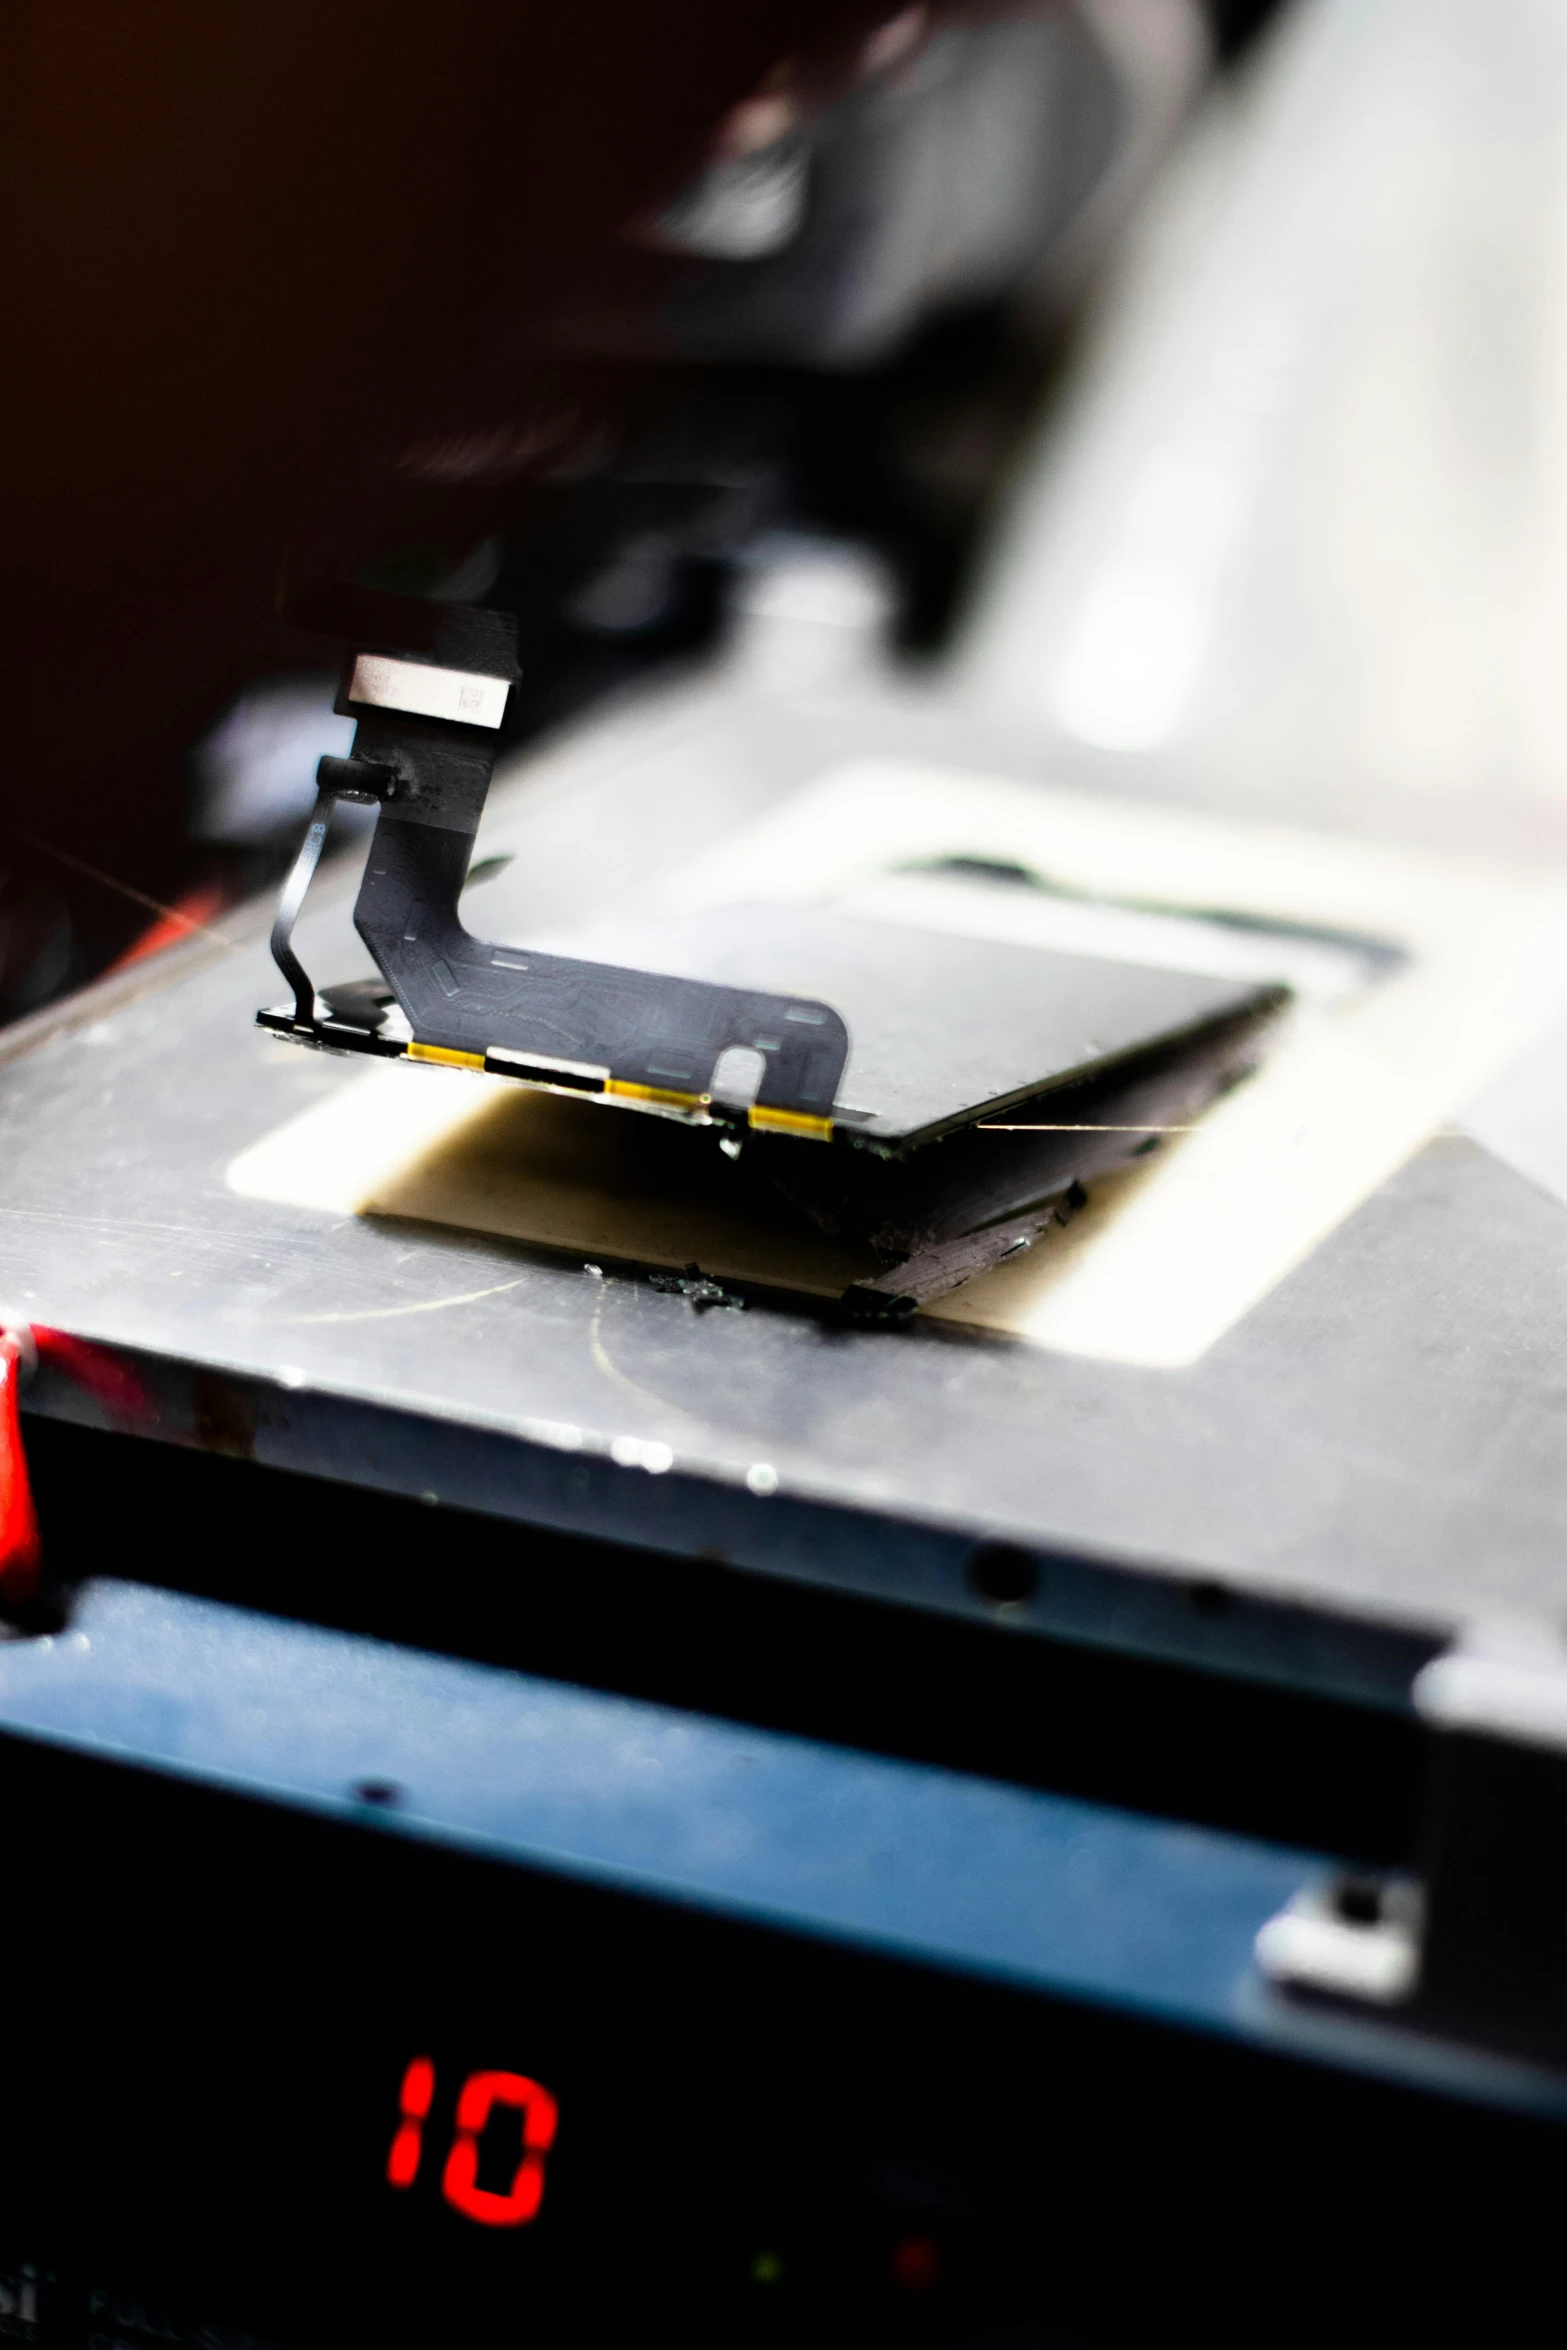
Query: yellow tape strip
[792, 1122]
[654, 1093]
[445, 1055]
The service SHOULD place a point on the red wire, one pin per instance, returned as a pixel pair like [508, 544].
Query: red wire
[97, 1370]
[21, 1553]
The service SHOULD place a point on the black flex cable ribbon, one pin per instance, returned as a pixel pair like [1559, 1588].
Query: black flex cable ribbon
[300, 877]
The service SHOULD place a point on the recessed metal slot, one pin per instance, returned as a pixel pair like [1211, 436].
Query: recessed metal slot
[540, 1069]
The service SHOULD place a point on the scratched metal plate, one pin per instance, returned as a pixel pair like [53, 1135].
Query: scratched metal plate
[1373, 1455]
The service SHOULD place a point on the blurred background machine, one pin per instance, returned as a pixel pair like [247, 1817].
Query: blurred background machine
[564, 1785]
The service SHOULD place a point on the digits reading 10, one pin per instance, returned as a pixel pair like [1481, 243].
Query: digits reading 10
[480, 2094]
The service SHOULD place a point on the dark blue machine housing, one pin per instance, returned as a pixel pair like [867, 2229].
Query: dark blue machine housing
[837, 2047]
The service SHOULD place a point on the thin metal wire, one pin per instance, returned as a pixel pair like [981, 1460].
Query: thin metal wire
[123, 889]
[990, 1126]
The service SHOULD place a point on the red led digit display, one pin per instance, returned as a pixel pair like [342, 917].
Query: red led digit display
[402, 2164]
[481, 2093]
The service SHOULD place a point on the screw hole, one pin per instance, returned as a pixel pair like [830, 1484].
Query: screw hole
[383, 1792]
[1359, 1902]
[1210, 1599]
[1003, 1574]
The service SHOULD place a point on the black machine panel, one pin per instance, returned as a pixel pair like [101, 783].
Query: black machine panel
[314, 2086]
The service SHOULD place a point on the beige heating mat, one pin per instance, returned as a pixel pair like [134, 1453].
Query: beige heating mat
[478, 1153]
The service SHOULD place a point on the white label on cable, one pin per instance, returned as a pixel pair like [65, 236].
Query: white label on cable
[426, 692]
